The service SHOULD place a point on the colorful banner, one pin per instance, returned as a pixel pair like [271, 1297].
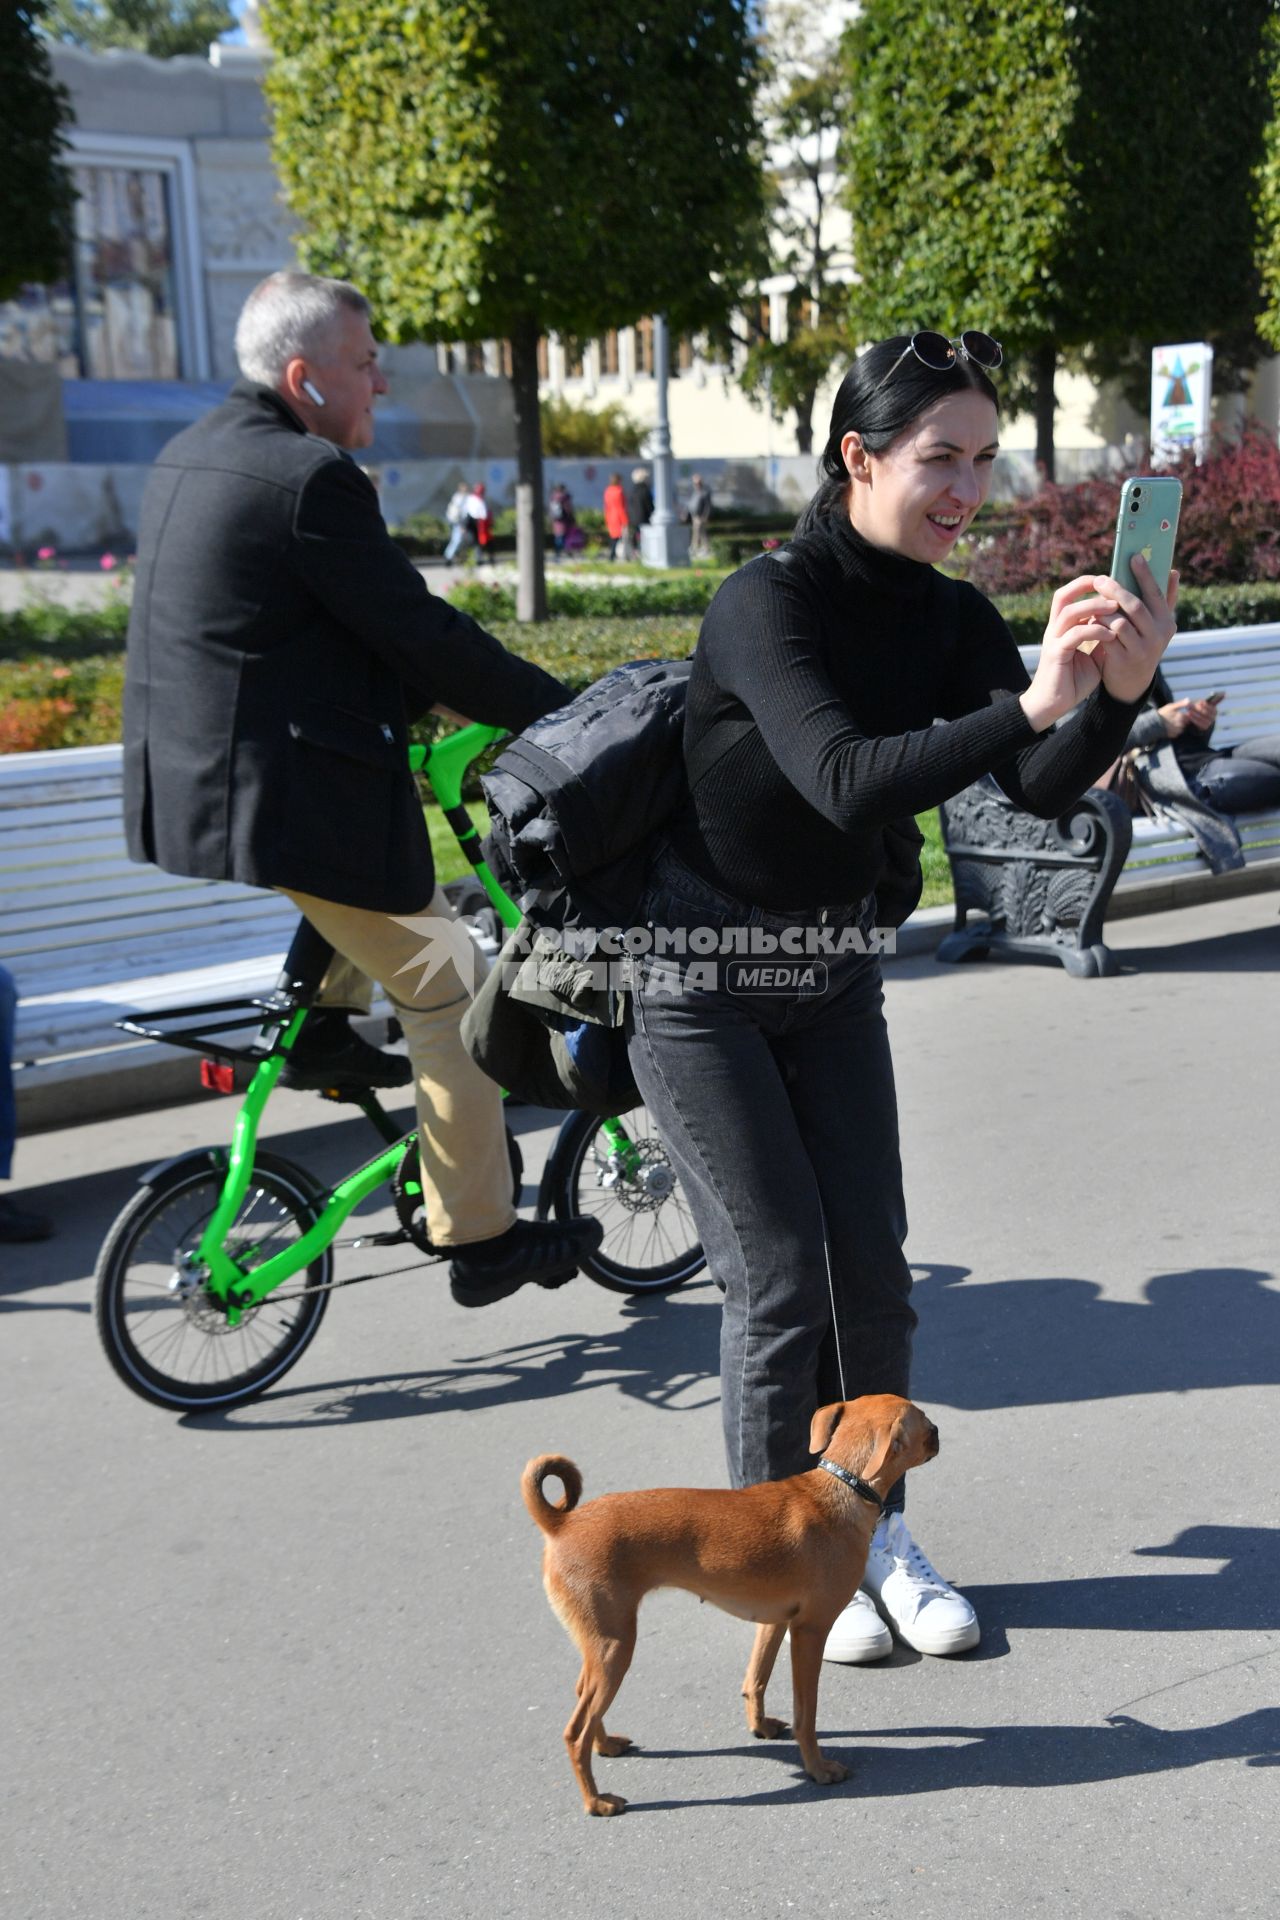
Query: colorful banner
[1181, 389]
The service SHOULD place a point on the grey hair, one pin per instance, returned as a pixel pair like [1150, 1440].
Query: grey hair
[288, 314]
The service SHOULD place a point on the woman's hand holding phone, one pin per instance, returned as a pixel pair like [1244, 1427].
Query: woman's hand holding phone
[1137, 632]
[1099, 631]
[1067, 672]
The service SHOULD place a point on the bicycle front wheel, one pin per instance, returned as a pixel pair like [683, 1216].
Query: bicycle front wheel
[165, 1333]
[627, 1182]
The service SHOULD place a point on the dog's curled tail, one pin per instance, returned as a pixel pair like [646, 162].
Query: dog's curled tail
[550, 1466]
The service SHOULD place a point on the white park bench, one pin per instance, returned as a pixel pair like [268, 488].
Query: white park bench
[90, 936]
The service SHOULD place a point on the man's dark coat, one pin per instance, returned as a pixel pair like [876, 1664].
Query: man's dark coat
[278, 644]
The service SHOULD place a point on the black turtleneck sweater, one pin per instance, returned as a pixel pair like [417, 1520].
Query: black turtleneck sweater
[845, 656]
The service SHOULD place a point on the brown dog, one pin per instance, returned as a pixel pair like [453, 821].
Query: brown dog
[786, 1553]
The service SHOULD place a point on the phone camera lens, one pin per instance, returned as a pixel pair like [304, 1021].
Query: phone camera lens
[1136, 495]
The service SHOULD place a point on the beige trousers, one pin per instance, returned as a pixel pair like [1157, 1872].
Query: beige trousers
[429, 971]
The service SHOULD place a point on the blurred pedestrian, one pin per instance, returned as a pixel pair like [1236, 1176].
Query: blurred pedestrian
[699, 515]
[481, 522]
[616, 524]
[639, 506]
[562, 518]
[459, 522]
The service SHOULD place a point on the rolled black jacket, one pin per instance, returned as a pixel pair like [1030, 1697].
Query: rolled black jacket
[279, 643]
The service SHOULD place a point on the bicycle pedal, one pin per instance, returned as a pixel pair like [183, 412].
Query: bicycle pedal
[557, 1279]
[394, 1237]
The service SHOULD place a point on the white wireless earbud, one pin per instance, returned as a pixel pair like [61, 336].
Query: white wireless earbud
[312, 393]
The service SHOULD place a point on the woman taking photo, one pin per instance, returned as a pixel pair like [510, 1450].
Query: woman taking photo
[778, 1108]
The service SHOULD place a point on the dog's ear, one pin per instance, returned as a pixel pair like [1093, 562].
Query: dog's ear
[883, 1448]
[824, 1423]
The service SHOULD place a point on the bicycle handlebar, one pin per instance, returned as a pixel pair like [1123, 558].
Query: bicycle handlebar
[445, 761]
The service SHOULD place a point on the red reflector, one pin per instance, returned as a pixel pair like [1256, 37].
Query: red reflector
[217, 1077]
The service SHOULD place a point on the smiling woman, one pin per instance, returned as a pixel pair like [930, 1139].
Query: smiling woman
[877, 688]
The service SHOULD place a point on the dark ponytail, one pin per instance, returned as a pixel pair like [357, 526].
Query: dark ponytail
[880, 400]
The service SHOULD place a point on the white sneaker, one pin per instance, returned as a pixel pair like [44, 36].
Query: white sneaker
[858, 1634]
[914, 1598]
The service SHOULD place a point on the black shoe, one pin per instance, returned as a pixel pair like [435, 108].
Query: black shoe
[547, 1251]
[329, 1053]
[17, 1224]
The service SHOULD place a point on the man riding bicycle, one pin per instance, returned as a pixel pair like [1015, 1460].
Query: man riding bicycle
[279, 644]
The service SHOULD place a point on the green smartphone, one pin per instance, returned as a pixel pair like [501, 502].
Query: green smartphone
[1148, 524]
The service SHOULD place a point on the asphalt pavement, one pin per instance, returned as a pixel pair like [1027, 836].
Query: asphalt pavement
[295, 1662]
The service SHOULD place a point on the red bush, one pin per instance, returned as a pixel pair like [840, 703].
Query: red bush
[1229, 531]
[29, 725]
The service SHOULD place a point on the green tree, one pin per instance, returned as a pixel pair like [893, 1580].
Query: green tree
[500, 169]
[37, 187]
[160, 27]
[1269, 197]
[806, 109]
[1078, 180]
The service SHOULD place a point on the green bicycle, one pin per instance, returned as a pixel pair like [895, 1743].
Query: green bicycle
[214, 1279]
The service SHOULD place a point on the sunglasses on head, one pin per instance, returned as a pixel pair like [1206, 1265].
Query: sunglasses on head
[934, 350]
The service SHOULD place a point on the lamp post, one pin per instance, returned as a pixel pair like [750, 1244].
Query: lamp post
[664, 542]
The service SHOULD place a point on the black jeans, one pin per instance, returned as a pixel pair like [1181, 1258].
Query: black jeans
[778, 1110]
[1244, 778]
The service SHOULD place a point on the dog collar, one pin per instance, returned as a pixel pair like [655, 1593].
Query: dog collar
[852, 1480]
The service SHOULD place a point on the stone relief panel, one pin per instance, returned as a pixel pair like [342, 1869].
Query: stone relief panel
[242, 218]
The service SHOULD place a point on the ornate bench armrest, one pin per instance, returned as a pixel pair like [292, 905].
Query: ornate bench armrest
[1041, 886]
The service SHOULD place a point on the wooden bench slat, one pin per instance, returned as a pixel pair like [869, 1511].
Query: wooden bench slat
[57, 822]
[98, 840]
[100, 915]
[159, 931]
[57, 881]
[143, 955]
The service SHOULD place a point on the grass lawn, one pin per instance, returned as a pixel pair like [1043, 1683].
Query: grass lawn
[451, 862]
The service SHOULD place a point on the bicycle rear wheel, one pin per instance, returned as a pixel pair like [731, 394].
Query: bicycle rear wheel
[164, 1332]
[650, 1243]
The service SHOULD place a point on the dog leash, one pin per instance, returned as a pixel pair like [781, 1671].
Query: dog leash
[852, 1480]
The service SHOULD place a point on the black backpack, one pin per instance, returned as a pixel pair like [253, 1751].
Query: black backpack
[576, 800]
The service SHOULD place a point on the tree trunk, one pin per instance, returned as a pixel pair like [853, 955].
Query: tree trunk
[531, 577]
[1044, 362]
[803, 411]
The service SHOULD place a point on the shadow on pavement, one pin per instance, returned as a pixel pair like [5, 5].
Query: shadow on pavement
[1253, 950]
[665, 1354]
[1011, 1343]
[1241, 1596]
[967, 1757]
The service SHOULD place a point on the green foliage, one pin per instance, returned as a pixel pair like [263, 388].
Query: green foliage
[66, 633]
[38, 195]
[1268, 199]
[957, 179]
[570, 431]
[159, 27]
[1076, 179]
[60, 696]
[683, 592]
[499, 169]
[472, 163]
